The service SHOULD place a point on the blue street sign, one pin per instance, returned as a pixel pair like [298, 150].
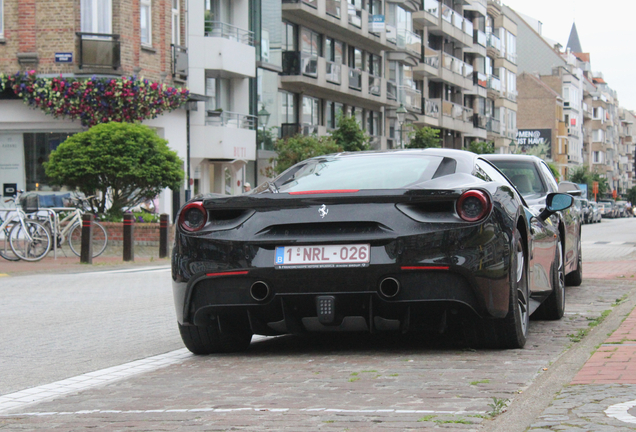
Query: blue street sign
[65, 57]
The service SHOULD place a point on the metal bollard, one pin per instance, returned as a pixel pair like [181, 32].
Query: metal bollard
[129, 253]
[163, 235]
[86, 253]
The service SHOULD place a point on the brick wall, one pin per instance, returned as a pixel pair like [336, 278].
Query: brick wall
[47, 27]
[145, 234]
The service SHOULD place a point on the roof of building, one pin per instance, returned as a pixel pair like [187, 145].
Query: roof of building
[584, 57]
[573, 42]
[539, 81]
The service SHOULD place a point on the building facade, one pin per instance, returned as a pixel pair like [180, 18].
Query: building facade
[82, 39]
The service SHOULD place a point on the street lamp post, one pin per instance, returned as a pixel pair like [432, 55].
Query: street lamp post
[263, 119]
[401, 115]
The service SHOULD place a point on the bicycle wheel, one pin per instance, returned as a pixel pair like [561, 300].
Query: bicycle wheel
[29, 240]
[100, 239]
[5, 247]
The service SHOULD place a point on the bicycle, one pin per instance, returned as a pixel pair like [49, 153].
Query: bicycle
[28, 240]
[69, 228]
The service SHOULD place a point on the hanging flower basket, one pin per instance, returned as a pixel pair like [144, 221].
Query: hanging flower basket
[96, 100]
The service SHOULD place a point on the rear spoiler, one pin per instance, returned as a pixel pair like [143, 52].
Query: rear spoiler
[285, 200]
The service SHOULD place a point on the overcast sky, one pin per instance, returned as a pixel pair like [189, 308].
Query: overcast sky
[606, 30]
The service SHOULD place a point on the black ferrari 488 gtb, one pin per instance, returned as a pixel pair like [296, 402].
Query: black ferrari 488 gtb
[369, 241]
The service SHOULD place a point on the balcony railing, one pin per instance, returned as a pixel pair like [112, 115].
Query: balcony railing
[391, 33]
[334, 72]
[511, 95]
[431, 6]
[300, 63]
[355, 79]
[431, 57]
[288, 130]
[447, 14]
[228, 31]
[391, 90]
[494, 83]
[375, 85]
[494, 42]
[355, 15]
[479, 37]
[179, 62]
[574, 131]
[456, 65]
[333, 8]
[457, 111]
[480, 121]
[410, 97]
[493, 126]
[512, 57]
[480, 79]
[410, 41]
[231, 120]
[99, 50]
[432, 107]
[468, 27]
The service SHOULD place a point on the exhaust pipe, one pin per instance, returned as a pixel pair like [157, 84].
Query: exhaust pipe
[389, 287]
[259, 291]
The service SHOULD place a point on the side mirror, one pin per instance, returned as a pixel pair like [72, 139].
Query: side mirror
[555, 202]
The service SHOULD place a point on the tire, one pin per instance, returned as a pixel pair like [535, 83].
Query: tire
[5, 246]
[575, 278]
[209, 340]
[31, 241]
[512, 331]
[100, 239]
[554, 306]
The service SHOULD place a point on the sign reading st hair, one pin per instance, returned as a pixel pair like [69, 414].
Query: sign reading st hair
[536, 142]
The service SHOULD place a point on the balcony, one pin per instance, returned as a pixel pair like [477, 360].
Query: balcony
[456, 117]
[179, 62]
[493, 125]
[442, 20]
[231, 120]
[511, 95]
[494, 83]
[480, 121]
[574, 131]
[409, 41]
[334, 72]
[411, 98]
[479, 37]
[456, 72]
[99, 50]
[223, 135]
[431, 7]
[391, 91]
[494, 42]
[333, 8]
[375, 85]
[228, 31]
[355, 15]
[355, 79]
[480, 79]
[300, 63]
[432, 107]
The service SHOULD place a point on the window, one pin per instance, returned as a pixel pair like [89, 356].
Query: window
[511, 47]
[1, 19]
[334, 50]
[597, 157]
[333, 111]
[289, 37]
[310, 43]
[373, 123]
[287, 107]
[311, 111]
[176, 33]
[145, 27]
[598, 113]
[355, 58]
[598, 135]
[96, 16]
[374, 65]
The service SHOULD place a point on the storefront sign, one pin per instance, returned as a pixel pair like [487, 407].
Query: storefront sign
[376, 23]
[537, 142]
[64, 57]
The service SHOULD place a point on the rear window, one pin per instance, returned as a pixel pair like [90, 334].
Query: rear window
[524, 176]
[363, 172]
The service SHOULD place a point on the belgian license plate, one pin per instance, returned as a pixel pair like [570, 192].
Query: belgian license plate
[351, 255]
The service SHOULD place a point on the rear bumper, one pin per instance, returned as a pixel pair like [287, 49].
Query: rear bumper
[472, 280]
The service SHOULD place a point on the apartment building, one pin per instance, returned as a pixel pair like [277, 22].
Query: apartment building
[468, 73]
[81, 39]
[221, 68]
[626, 144]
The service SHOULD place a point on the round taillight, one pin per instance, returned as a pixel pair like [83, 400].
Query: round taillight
[473, 205]
[193, 217]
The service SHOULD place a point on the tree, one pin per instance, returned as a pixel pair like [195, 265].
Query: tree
[631, 195]
[298, 148]
[582, 175]
[482, 147]
[128, 163]
[349, 135]
[424, 138]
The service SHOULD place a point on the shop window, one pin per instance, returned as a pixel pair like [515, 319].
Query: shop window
[37, 149]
